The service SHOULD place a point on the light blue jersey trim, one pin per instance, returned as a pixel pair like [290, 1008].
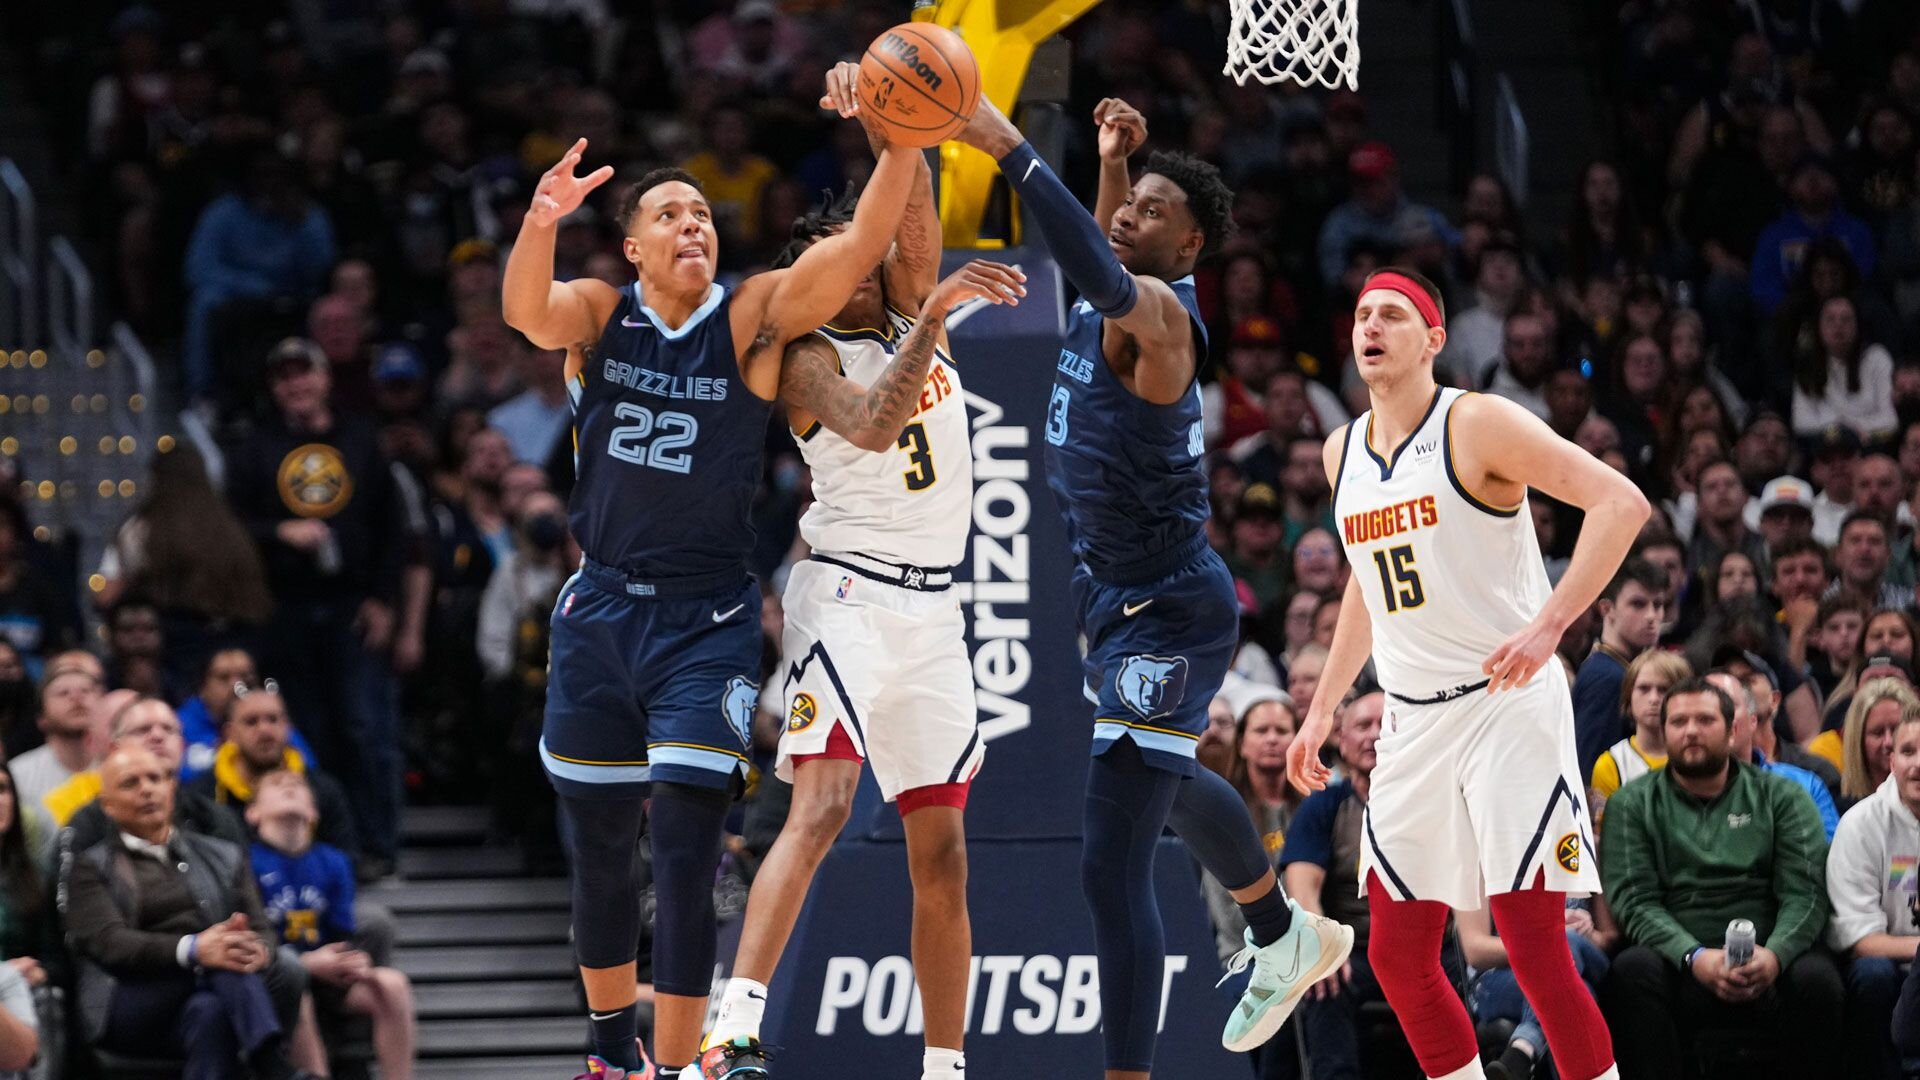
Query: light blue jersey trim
[594, 774]
[694, 758]
[1106, 731]
[715, 293]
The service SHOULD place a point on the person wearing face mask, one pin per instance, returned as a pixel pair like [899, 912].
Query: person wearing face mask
[527, 577]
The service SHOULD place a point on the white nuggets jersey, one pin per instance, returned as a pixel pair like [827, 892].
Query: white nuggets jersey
[912, 503]
[1446, 577]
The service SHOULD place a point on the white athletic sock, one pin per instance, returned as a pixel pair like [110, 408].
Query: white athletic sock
[1470, 1071]
[741, 1006]
[1612, 1073]
[943, 1064]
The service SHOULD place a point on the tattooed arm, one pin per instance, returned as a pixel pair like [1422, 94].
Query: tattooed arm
[913, 265]
[872, 417]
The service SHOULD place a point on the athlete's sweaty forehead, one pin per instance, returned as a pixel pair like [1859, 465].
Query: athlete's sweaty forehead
[672, 195]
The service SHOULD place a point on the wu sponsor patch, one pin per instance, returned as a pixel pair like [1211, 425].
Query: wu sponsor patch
[804, 712]
[1567, 853]
[1153, 686]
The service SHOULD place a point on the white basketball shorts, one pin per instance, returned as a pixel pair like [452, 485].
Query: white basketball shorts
[1480, 795]
[886, 665]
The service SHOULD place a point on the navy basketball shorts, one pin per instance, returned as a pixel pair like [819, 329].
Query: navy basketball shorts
[1157, 653]
[645, 685]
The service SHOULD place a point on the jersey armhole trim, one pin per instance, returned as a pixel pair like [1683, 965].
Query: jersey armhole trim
[1453, 477]
[1340, 471]
[812, 430]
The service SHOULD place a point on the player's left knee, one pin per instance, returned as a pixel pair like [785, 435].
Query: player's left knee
[939, 864]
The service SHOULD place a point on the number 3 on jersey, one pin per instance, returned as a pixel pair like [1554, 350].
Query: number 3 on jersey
[1057, 415]
[913, 439]
[1399, 582]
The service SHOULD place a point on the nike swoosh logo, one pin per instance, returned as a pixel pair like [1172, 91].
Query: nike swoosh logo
[601, 1016]
[626, 321]
[723, 616]
[1130, 610]
[1031, 165]
[756, 997]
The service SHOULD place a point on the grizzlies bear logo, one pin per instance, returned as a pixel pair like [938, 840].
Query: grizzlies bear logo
[738, 704]
[1153, 686]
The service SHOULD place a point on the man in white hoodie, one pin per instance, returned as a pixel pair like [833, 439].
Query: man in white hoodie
[1873, 876]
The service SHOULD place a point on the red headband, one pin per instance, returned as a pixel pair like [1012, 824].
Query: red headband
[1410, 289]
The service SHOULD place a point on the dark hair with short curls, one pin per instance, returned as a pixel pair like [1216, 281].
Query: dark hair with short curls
[826, 216]
[630, 199]
[1721, 699]
[1209, 199]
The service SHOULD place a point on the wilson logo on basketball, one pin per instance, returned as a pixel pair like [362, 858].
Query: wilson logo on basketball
[908, 54]
[1567, 853]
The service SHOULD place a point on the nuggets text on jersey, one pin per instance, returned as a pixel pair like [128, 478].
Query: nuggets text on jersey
[1390, 521]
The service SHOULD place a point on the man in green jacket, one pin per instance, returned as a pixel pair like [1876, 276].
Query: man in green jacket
[1686, 851]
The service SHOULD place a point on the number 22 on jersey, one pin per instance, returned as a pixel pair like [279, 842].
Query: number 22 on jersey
[670, 432]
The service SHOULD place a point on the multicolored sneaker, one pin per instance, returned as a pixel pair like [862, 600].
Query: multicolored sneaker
[742, 1058]
[598, 1068]
[1312, 948]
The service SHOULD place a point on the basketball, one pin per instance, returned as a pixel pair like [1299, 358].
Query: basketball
[920, 82]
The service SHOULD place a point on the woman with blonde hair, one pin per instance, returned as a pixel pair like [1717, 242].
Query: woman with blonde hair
[1878, 710]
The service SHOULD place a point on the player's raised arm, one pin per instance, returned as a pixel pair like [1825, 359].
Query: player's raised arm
[817, 285]
[1143, 306]
[554, 314]
[872, 417]
[1513, 450]
[1122, 131]
[1352, 644]
[912, 267]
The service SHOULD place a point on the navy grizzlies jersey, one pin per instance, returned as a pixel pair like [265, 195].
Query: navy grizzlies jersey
[1127, 473]
[668, 441]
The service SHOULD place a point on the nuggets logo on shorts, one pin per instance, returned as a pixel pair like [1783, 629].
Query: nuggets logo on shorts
[1567, 853]
[1153, 686]
[738, 704]
[313, 481]
[803, 713]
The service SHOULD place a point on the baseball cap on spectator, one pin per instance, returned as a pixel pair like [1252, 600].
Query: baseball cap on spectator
[475, 250]
[1258, 501]
[1728, 655]
[1256, 693]
[426, 61]
[1256, 331]
[295, 352]
[749, 10]
[1789, 494]
[1371, 161]
[398, 362]
[1836, 440]
[1882, 666]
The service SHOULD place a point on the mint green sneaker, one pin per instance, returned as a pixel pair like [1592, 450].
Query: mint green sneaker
[1313, 948]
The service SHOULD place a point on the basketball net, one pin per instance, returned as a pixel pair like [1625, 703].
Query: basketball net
[1304, 41]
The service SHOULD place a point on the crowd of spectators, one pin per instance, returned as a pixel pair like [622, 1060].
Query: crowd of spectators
[344, 594]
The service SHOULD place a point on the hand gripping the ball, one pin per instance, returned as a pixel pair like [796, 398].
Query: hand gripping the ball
[560, 193]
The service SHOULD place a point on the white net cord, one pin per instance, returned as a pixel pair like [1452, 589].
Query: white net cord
[1306, 41]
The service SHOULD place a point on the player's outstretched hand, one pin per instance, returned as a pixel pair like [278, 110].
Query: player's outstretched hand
[560, 193]
[843, 89]
[1122, 129]
[1520, 657]
[1304, 769]
[996, 283]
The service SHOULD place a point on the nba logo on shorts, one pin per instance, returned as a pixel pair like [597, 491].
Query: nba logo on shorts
[567, 608]
[1567, 853]
[1153, 686]
[846, 586]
